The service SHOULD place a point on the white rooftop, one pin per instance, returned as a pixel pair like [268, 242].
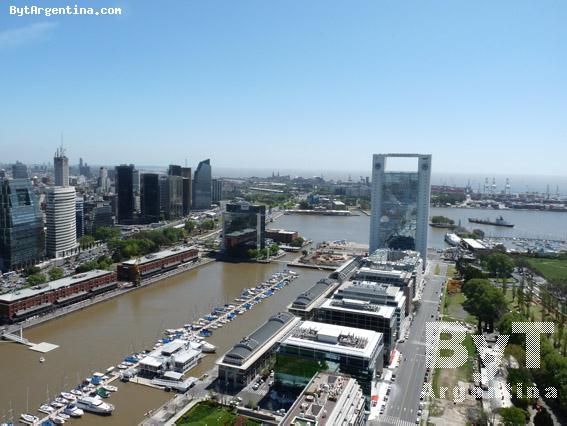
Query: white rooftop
[359, 307]
[367, 340]
[52, 285]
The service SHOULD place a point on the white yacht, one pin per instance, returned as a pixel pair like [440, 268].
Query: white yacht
[95, 405]
[73, 411]
[68, 396]
[29, 418]
[208, 348]
[46, 409]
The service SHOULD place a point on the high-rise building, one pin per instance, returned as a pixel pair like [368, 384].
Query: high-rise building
[400, 204]
[60, 213]
[22, 239]
[187, 189]
[98, 214]
[244, 228]
[80, 216]
[202, 186]
[151, 197]
[217, 190]
[174, 197]
[61, 167]
[125, 193]
[103, 180]
[20, 171]
[163, 194]
[174, 170]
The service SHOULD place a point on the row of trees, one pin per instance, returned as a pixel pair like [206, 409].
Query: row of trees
[263, 253]
[36, 277]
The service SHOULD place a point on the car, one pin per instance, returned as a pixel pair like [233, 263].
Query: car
[255, 386]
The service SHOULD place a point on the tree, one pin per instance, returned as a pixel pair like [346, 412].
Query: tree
[189, 226]
[106, 233]
[501, 266]
[304, 205]
[297, 242]
[56, 273]
[513, 416]
[86, 241]
[36, 279]
[484, 301]
[208, 224]
[31, 270]
[442, 220]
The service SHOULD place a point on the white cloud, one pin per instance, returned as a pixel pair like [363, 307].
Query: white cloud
[30, 33]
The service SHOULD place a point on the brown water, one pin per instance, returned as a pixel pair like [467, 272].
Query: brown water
[102, 335]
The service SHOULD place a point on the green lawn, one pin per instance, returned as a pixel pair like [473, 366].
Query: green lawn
[210, 413]
[551, 269]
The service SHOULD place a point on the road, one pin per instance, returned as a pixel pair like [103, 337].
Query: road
[403, 403]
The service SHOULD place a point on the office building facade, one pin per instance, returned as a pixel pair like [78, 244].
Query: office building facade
[151, 210]
[217, 190]
[60, 213]
[125, 193]
[22, 238]
[244, 227]
[400, 204]
[80, 216]
[187, 189]
[20, 171]
[174, 209]
[202, 186]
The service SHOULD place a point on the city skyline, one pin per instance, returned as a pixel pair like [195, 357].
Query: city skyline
[291, 78]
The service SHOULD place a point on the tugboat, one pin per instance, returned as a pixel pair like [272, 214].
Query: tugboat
[498, 222]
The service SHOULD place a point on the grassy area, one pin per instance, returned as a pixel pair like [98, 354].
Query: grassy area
[437, 270]
[210, 413]
[535, 308]
[454, 309]
[554, 270]
[296, 366]
[451, 271]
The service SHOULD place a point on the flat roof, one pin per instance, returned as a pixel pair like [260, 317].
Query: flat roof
[355, 341]
[244, 353]
[52, 285]
[474, 244]
[159, 255]
[152, 361]
[185, 355]
[359, 307]
[173, 346]
[338, 401]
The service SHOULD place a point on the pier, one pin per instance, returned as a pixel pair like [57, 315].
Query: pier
[42, 347]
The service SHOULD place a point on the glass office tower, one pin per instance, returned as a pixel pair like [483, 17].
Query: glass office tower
[22, 239]
[400, 205]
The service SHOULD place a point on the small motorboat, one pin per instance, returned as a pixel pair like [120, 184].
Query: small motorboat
[73, 411]
[110, 388]
[46, 409]
[68, 396]
[58, 420]
[56, 404]
[41, 359]
[29, 418]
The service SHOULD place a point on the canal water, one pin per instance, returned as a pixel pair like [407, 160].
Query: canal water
[102, 335]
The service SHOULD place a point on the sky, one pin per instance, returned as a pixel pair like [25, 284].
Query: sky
[481, 85]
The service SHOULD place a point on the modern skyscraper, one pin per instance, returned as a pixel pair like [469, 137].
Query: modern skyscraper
[125, 193]
[103, 180]
[22, 239]
[61, 166]
[174, 170]
[202, 186]
[187, 189]
[80, 216]
[60, 213]
[400, 204]
[174, 208]
[151, 197]
[20, 171]
[217, 190]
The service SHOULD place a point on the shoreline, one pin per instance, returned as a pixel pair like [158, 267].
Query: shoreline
[14, 328]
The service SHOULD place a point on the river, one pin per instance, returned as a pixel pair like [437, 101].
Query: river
[102, 335]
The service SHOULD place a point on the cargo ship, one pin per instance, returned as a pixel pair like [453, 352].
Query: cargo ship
[498, 222]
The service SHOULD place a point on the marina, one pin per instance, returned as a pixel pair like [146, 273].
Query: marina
[89, 394]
